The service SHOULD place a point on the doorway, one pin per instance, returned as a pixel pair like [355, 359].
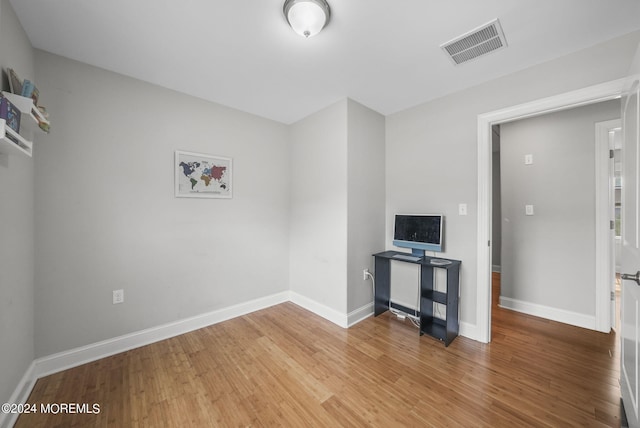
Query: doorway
[552, 252]
[589, 95]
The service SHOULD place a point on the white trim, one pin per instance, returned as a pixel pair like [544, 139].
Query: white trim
[20, 395]
[547, 312]
[592, 94]
[95, 351]
[319, 309]
[468, 330]
[85, 354]
[483, 244]
[360, 314]
[604, 247]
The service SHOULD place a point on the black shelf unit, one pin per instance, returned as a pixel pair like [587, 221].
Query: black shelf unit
[443, 329]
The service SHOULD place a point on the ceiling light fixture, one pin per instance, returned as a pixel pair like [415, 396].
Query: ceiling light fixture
[307, 17]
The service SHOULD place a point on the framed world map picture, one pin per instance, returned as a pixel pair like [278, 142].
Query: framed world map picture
[202, 176]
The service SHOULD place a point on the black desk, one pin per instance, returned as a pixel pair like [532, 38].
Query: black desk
[445, 330]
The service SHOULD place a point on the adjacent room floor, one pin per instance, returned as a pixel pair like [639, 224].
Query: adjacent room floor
[286, 366]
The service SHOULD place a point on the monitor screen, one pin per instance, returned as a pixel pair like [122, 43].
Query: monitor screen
[418, 232]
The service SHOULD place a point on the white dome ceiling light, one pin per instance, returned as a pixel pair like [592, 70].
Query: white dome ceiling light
[307, 17]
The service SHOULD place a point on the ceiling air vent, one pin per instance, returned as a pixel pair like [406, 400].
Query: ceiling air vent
[478, 42]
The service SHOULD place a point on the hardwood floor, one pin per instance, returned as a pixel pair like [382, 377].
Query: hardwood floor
[284, 366]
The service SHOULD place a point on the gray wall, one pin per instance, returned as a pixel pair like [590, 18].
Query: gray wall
[366, 196]
[337, 204]
[16, 226]
[432, 148]
[318, 244]
[107, 217]
[548, 257]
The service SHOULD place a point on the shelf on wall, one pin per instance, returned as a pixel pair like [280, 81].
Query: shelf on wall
[26, 106]
[13, 143]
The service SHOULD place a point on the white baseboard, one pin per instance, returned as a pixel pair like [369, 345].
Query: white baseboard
[360, 314]
[469, 331]
[85, 354]
[95, 351]
[319, 309]
[547, 312]
[19, 396]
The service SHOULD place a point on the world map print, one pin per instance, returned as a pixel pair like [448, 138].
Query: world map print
[199, 175]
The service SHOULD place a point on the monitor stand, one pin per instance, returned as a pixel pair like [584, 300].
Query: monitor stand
[443, 329]
[418, 253]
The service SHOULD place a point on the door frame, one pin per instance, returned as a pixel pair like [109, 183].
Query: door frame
[589, 95]
[605, 243]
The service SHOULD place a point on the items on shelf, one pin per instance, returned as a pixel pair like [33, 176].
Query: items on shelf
[11, 142]
[15, 84]
[28, 89]
[43, 124]
[10, 113]
[16, 113]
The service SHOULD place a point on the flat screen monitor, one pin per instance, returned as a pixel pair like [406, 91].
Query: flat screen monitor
[420, 232]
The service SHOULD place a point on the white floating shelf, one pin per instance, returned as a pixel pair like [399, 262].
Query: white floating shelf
[13, 143]
[26, 106]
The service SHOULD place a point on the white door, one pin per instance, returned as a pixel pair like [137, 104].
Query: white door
[630, 255]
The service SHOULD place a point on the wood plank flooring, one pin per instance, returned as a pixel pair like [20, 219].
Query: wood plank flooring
[284, 366]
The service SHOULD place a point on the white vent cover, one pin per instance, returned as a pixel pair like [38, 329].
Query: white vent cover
[475, 43]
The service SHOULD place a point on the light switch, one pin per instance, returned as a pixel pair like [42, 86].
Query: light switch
[528, 159]
[528, 209]
[462, 209]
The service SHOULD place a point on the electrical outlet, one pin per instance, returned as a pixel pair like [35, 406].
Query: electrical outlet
[118, 296]
[365, 274]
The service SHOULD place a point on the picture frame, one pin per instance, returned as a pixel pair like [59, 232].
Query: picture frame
[199, 175]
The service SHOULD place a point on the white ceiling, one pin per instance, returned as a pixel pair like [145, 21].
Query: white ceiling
[384, 54]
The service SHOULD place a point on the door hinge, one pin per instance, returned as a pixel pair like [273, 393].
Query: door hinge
[612, 224]
[610, 154]
[613, 296]
[488, 243]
